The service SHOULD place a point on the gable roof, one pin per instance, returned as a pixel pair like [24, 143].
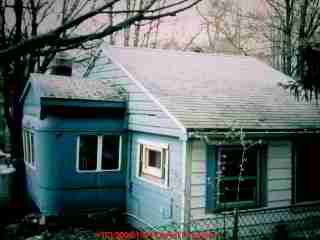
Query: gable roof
[62, 87]
[205, 91]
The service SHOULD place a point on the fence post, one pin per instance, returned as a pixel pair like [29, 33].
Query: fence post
[235, 224]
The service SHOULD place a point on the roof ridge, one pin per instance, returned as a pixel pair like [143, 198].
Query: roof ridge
[181, 52]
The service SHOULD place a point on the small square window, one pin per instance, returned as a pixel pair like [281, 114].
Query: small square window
[153, 163]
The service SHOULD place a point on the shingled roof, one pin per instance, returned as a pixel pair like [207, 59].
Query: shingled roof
[55, 86]
[211, 91]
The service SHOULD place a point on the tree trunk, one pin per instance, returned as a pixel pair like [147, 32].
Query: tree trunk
[302, 41]
[288, 39]
[16, 133]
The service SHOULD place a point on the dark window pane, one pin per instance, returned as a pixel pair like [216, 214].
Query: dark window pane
[230, 160]
[164, 160]
[24, 146]
[27, 148]
[250, 166]
[141, 159]
[110, 152]
[247, 190]
[32, 149]
[88, 153]
[154, 159]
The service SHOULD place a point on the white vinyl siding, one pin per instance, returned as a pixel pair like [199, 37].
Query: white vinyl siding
[279, 167]
[279, 173]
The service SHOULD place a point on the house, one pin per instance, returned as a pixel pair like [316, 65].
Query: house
[162, 117]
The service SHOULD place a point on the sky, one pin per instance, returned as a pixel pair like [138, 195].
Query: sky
[187, 24]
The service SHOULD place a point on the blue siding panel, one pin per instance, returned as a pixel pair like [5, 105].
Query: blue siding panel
[55, 185]
[151, 203]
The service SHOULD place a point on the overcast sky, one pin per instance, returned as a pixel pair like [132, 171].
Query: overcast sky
[185, 25]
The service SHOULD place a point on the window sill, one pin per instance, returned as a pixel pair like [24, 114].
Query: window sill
[160, 185]
[230, 206]
[30, 166]
[97, 171]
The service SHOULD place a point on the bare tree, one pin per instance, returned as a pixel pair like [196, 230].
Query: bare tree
[288, 30]
[141, 34]
[294, 33]
[225, 23]
[33, 31]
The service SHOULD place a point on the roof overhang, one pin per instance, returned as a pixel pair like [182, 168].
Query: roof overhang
[76, 107]
[82, 103]
[253, 133]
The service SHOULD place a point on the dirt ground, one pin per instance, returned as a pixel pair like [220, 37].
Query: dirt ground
[29, 226]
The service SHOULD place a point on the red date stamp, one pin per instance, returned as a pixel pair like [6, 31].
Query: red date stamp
[161, 235]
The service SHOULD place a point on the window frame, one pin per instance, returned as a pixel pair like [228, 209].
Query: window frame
[146, 168]
[239, 204]
[28, 148]
[149, 176]
[99, 154]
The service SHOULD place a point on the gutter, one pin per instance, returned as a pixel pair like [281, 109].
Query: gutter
[220, 133]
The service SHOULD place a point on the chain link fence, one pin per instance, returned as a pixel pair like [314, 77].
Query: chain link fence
[294, 222]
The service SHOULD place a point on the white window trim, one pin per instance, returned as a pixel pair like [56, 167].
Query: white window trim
[24, 146]
[28, 147]
[99, 155]
[157, 146]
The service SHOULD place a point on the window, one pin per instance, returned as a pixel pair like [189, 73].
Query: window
[88, 153]
[153, 163]
[230, 193]
[28, 148]
[99, 153]
[110, 159]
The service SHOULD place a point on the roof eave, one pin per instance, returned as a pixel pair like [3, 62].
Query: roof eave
[86, 103]
[62, 103]
[252, 133]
